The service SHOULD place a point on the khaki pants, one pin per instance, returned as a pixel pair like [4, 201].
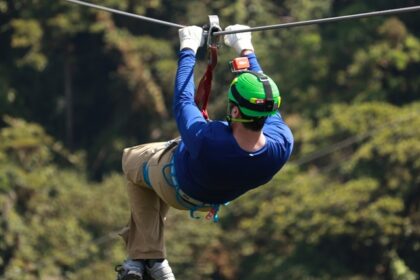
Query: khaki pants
[144, 236]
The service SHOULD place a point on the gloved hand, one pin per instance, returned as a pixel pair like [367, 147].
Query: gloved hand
[239, 41]
[191, 37]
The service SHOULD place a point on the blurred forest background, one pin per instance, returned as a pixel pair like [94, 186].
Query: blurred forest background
[77, 85]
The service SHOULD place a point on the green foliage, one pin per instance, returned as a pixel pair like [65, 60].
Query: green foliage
[50, 218]
[386, 63]
[27, 35]
[327, 222]
[346, 207]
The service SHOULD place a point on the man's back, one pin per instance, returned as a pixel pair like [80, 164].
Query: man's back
[221, 170]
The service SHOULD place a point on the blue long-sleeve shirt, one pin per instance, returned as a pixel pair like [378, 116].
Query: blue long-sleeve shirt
[210, 165]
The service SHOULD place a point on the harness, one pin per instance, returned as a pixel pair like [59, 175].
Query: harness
[182, 198]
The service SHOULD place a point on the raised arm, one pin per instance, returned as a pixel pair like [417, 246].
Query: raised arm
[242, 44]
[187, 115]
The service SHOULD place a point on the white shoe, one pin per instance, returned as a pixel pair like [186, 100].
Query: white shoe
[160, 271]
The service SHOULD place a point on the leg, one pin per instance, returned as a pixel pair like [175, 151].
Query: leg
[145, 238]
[145, 234]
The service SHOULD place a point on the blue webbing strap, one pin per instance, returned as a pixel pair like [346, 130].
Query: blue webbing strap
[168, 146]
[192, 208]
[146, 175]
[213, 213]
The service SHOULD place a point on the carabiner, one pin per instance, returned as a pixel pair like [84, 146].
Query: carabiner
[213, 26]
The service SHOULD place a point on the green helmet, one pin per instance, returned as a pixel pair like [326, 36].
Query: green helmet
[255, 94]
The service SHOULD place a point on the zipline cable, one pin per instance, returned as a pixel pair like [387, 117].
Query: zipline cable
[126, 14]
[259, 28]
[322, 20]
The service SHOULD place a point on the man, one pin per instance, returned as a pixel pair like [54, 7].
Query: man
[211, 164]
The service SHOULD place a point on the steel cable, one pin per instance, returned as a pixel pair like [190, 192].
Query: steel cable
[259, 28]
[322, 20]
[126, 14]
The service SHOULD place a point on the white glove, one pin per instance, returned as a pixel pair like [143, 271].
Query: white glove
[239, 41]
[191, 37]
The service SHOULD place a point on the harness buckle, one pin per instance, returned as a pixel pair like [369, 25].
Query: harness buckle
[212, 214]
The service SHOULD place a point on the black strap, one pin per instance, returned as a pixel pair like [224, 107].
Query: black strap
[170, 145]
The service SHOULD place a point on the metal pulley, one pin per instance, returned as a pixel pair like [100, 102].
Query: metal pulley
[210, 28]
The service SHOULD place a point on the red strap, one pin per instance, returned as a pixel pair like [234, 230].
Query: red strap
[204, 87]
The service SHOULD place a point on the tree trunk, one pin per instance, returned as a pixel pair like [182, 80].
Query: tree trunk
[68, 92]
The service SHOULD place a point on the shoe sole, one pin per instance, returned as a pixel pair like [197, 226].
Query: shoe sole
[147, 276]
